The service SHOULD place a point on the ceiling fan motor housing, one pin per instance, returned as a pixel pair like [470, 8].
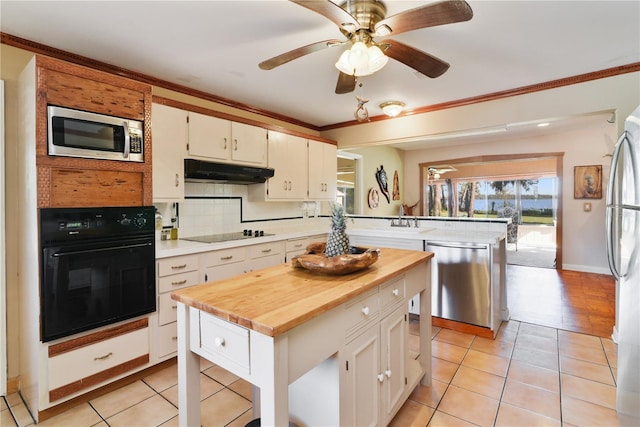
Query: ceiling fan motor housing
[367, 12]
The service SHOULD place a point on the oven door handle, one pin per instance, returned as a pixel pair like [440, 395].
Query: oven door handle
[110, 248]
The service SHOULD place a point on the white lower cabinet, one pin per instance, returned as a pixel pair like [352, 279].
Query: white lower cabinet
[374, 384]
[296, 247]
[183, 271]
[82, 363]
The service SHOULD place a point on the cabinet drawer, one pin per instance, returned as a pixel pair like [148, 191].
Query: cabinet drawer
[266, 249]
[361, 312]
[225, 343]
[167, 309]
[225, 256]
[167, 339]
[177, 281]
[391, 294]
[297, 245]
[177, 265]
[86, 366]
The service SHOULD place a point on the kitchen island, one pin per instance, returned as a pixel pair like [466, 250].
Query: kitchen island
[292, 333]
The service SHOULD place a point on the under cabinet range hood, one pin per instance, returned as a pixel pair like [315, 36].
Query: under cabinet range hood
[199, 170]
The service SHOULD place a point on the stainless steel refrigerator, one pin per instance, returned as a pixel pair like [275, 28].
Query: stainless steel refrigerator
[623, 249]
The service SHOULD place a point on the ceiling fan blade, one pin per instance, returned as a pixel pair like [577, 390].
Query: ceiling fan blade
[332, 12]
[440, 13]
[420, 61]
[346, 83]
[283, 58]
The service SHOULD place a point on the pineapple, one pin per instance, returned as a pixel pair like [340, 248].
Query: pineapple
[338, 241]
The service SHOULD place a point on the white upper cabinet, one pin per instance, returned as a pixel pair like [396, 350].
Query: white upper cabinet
[169, 149]
[249, 144]
[223, 140]
[287, 155]
[209, 136]
[323, 167]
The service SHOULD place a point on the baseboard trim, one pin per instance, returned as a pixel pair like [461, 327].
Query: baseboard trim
[462, 327]
[586, 269]
[13, 385]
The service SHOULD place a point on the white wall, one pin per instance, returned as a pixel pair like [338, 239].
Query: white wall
[372, 159]
[583, 232]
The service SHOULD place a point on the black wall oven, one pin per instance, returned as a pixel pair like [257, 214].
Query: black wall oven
[98, 267]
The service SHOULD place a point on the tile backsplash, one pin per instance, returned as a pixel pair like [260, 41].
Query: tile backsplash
[211, 208]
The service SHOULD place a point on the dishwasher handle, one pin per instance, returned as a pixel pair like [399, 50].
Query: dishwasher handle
[456, 245]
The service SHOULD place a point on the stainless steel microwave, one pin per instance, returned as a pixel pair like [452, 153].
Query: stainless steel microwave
[76, 133]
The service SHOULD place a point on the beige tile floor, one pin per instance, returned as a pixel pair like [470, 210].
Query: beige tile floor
[529, 376]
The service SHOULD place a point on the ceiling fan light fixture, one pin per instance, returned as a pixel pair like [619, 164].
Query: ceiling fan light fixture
[377, 59]
[344, 65]
[361, 60]
[392, 108]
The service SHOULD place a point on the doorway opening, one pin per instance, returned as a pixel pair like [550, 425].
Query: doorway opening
[349, 182]
[526, 190]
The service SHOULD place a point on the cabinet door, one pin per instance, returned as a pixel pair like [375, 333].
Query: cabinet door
[209, 136]
[249, 144]
[393, 333]
[288, 157]
[169, 148]
[362, 380]
[323, 165]
[212, 274]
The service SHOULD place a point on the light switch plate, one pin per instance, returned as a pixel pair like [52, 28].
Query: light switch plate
[587, 206]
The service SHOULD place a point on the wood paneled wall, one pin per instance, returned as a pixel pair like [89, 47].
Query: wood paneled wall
[77, 182]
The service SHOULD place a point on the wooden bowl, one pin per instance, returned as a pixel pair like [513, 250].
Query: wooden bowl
[315, 260]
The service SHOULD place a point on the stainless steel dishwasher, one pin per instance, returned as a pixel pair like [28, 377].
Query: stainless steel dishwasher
[461, 282]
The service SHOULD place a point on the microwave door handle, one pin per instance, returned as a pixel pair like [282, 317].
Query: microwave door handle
[88, 251]
[127, 140]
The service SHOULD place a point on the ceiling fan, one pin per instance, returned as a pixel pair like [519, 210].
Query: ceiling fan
[435, 171]
[361, 21]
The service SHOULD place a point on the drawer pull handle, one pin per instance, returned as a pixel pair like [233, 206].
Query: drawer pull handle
[380, 377]
[178, 283]
[225, 143]
[365, 311]
[178, 267]
[174, 307]
[226, 258]
[395, 292]
[219, 342]
[174, 338]
[105, 357]
[299, 245]
[388, 373]
[266, 251]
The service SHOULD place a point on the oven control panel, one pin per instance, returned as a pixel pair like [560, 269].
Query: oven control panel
[60, 224]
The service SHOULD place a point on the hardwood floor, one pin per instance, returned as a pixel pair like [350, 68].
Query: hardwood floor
[569, 300]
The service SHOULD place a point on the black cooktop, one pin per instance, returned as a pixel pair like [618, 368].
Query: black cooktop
[225, 237]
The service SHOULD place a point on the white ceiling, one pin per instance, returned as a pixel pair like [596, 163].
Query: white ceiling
[215, 47]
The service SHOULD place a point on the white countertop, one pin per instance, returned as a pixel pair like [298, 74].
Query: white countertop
[432, 234]
[169, 248]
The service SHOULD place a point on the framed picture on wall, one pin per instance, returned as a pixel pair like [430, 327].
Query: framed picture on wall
[587, 182]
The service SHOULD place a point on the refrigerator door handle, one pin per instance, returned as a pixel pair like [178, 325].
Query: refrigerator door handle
[612, 209]
[611, 258]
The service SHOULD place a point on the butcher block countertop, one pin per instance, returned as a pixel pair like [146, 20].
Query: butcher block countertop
[275, 300]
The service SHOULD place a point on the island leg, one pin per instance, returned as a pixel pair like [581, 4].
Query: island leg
[188, 373]
[425, 331]
[270, 361]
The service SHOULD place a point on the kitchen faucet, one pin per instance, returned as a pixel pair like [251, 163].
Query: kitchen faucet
[400, 222]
